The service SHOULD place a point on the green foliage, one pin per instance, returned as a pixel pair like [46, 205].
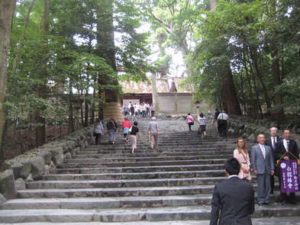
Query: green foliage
[250, 35]
[49, 71]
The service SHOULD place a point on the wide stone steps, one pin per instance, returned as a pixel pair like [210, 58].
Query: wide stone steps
[110, 202]
[138, 175]
[114, 192]
[139, 169]
[138, 164]
[107, 203]
[155, 155]
[108, 185]
[140, 159]
[126, 150]
[120, 183]
[126, 215]
[256, 221]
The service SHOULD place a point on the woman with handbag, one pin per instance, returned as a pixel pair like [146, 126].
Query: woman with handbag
[190, 121]
[133, 133]
[242, 155]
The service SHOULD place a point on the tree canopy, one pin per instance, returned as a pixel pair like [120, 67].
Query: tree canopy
[242, 56]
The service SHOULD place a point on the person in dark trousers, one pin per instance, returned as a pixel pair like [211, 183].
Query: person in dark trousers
[217, 112]
[190, 121]
[152, 110]
[228, 207]
[222, 123]
[132, 111]
[273, 141]
[98, 131]
[287, 149]
[262, 163]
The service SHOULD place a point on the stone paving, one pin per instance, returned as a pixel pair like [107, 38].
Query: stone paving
[108, 185]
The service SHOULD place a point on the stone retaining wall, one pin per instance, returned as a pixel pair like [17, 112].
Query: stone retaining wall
[40, 161]
[239, 126]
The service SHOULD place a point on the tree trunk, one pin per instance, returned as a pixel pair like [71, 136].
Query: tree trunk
[86, 110]
[19, 42]
[105, 40]
[253, 54]
[71, 113]
[253, 102]
[42, 88]
[93, 107]
[277, 114]
[154, 92]
[7, 8]
[81, 113]
[232, 103]
[101, 95]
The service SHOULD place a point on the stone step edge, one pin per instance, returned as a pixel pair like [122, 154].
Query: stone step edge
[256, 221]
[126, 215]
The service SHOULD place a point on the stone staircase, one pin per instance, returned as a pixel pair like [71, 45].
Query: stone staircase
[108, 185]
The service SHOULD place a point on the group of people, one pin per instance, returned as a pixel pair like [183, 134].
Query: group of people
[201, 123]
[138, 110]
[228, 207]
[220, 117]
[129, 130]
[112, 128]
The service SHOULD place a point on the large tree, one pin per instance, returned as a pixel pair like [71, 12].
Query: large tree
[6, 16]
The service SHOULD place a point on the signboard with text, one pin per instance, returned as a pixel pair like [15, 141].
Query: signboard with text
[289, 171]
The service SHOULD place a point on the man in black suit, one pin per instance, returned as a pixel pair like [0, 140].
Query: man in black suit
[233, 199]
[273, 141]
[290, 149]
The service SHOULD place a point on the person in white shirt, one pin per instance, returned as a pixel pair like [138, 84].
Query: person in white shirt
[202, 124]
[222, 123]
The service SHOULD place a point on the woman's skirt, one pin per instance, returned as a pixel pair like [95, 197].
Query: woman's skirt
[133, 140]
[111, 135]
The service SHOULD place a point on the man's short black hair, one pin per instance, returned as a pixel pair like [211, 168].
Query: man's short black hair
[135, 123]
[232, 166]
